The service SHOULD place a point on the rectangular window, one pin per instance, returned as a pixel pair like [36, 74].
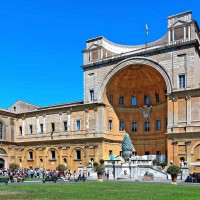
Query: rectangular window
[78, 154]
[53, 155]
[157, 97]
[110, 125]
[182, 81]
[146, 100]
[158, 153]
[121, 126]
[158, 124]
[121, 100]
[146, 152]
[30, 155]
[52, 127]
[134, 126]
[91, 95]
[110, 98]
[134, 101]
[78, 125]
[146, 126]
[65, 126]
[30, 128]
[41, 128]
[186, 32]
[20, 130]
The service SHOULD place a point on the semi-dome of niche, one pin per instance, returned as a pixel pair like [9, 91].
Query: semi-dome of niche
[136, 81]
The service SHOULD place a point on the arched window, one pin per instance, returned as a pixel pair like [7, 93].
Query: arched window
[1, 131]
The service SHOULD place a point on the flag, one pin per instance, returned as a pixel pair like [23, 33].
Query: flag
[147, 29]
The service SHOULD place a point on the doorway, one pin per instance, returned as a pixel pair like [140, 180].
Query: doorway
[2, 163]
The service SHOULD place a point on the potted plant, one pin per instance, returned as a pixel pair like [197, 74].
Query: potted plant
[61, 168]
[99, 168]
[163, 165]
[174, 171]
[155, 162]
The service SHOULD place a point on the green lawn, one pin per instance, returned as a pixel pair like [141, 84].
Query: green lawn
[98, 190]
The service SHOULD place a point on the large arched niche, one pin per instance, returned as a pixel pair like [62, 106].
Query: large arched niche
[138, 63]
[138, 78]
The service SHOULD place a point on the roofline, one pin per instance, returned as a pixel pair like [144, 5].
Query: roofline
[179, 14]
[92, 39]
[61, 105]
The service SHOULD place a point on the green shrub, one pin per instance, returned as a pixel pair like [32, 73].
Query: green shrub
[155, 162]
[173, 170]
[61, 168]
[13, 166]
[163, 164]
[101, 161]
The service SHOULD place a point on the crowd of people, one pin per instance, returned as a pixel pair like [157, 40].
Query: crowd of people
[20, 175]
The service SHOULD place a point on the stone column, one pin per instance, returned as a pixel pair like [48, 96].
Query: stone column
[189, 33]
[61, 121]
[23, 126]
[175, 111]
[173, 35]
[86, 119]
[44, 121]
[184, 35]
[68, 158]
[37, 123]
[170, 118]
[96, 119]
[188, 109]
[169, 36]
[68, 120]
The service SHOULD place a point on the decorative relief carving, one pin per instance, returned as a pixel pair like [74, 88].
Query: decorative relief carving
[146, 111]
[187, 98]
[87, 110]
[174, 99]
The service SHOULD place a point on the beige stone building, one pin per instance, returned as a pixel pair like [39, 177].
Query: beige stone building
[150, 91]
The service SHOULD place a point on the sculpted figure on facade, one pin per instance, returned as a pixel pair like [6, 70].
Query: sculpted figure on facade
[146, 111]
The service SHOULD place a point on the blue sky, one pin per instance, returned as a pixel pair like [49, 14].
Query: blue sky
[41, 41]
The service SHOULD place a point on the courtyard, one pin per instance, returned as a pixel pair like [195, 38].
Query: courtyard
[99, 190]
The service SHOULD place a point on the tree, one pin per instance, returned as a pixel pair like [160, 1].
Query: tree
[13, 166]
[61, 168]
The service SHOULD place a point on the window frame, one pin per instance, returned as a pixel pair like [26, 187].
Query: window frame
[147, 126]
[134, 101]
[53, 127]
[121, 100]
[91, 91]
[158, 124]
[78, 125]
[77, 154]
[121, 125]
[134, 126]
[65, 126]
[110, 125]
[30, 129]
[157, 96]
[41, 128]
[20, 130]
[147, 100]
[181, 84]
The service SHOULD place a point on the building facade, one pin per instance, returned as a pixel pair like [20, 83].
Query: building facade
[150, 91]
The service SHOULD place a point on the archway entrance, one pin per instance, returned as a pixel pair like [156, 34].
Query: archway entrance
[2, 163]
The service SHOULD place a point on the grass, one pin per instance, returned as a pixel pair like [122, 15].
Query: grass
[98, 191]
[33, 179]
